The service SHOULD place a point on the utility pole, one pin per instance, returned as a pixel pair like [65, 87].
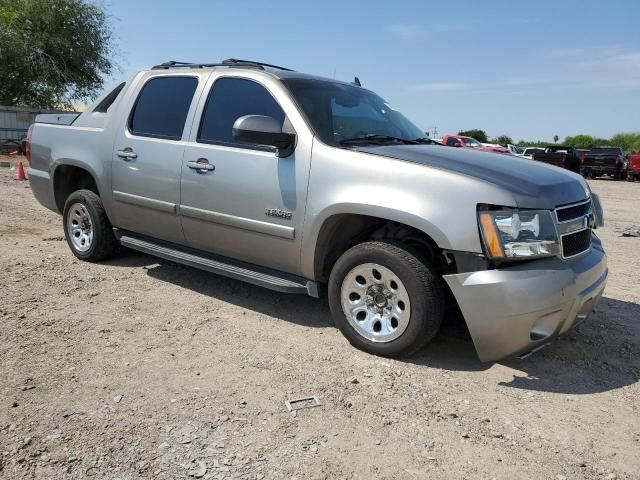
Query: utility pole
[435, 132]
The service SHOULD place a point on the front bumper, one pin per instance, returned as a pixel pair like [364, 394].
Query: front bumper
[518, 309]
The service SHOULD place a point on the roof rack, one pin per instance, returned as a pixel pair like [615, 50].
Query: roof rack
[229, 62]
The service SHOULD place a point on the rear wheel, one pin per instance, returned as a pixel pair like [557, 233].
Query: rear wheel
[86, 227]
[385, 299]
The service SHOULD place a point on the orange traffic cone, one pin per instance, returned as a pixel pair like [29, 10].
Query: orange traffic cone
[20, 175]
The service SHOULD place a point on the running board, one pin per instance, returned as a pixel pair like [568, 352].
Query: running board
[264, 277]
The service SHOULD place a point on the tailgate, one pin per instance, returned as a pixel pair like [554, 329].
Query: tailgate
[607, 161]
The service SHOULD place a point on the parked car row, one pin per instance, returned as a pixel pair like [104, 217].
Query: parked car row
[528, 152]
[591, 163]
[469, 142]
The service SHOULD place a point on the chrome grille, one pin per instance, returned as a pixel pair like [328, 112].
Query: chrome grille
[572, 212]
[573, 228]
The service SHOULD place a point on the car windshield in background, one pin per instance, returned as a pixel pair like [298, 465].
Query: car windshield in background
[605, 151]
[471, 142]
[340, 113]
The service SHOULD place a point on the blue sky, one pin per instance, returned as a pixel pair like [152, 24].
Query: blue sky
[527, 69]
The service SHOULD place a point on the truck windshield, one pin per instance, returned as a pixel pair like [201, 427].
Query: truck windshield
[339, 112]
[471, 142]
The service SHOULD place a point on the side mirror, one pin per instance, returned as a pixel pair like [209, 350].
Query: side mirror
[263, 130]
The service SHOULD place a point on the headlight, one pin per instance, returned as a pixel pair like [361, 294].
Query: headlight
[518, 234]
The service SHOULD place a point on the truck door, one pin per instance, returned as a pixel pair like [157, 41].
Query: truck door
[243, 201]
[148, 153]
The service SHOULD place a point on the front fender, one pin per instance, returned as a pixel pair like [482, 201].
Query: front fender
[437, 202]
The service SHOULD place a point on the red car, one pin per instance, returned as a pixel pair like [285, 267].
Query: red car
[633, 171]
[468, 142]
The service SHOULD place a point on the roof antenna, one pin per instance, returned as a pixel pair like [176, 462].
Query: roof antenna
[356, 81]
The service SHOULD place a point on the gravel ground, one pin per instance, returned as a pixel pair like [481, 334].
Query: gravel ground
[140, 368]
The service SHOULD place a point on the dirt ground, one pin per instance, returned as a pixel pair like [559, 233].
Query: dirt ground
[140, 368]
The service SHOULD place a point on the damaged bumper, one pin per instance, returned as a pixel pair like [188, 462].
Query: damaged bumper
[519, 309]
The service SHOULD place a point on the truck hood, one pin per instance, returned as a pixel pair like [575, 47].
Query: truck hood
[532, 184]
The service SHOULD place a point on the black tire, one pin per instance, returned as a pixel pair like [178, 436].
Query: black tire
[423, 285]
[104, 244]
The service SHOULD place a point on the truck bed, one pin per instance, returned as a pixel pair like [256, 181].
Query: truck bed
[57, 118]
[552, 158]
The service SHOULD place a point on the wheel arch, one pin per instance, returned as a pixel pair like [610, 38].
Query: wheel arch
[70, 176]
[338, 230]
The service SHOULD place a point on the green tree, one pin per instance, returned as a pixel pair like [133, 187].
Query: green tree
[502, 140]
[630, 142]
[599, 142]
[533, 143]
[580, 141]
[53, 53]
[479, 135]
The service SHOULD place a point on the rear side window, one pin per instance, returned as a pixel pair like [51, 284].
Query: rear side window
[162, 107]
[451, 141]
[230, 99]
[107, 101]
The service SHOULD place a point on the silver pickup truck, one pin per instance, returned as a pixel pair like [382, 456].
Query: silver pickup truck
[292, 181]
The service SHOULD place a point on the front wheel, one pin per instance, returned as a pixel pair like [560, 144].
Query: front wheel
[385, 299]
[86, 227]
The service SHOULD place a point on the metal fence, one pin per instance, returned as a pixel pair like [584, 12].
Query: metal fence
[15, 121]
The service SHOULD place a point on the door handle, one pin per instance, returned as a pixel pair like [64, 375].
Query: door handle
[201, 165]
[127, 153]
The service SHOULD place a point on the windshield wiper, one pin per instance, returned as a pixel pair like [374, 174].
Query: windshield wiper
[376, 138]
